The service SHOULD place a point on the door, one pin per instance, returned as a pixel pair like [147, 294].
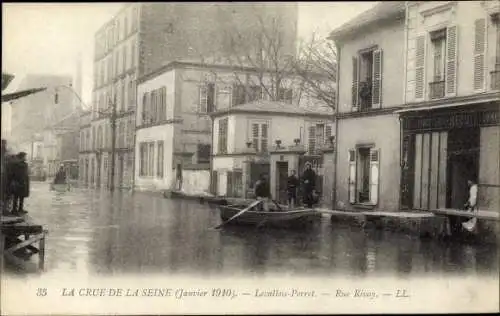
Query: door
[121, 162]
[281, 181]
[213, 184]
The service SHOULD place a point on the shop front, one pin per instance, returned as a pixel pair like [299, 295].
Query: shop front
[443, 148]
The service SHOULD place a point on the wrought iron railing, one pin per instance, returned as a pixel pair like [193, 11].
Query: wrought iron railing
[436, 89]
[495, 79]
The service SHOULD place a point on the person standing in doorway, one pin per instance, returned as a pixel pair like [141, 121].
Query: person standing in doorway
[293, 184]
[20, 183]
[471, 205]
[263, 192]
[309, 185]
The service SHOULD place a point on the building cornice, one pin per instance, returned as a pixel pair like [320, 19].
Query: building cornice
[234, 111]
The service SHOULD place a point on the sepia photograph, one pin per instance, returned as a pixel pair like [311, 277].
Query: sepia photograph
[250, 158]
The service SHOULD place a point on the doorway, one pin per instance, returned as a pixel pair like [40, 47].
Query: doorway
[281, 181]
[463, 164]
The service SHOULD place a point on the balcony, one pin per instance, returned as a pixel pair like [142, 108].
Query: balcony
[495, 78]
[436, 90]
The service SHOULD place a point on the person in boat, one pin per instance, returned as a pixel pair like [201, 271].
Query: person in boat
[309, 184]
[263, 192]
[60, 177]
[470, 205]
[292, 185]
[19, 182]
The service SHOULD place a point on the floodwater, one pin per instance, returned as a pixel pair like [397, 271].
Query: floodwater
[95, 233]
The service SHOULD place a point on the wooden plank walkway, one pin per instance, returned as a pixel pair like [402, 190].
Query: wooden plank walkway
[16, 249]
[377, 213]
[485, 215]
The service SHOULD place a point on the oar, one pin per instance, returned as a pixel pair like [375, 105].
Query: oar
[255, 203]
[276, 203]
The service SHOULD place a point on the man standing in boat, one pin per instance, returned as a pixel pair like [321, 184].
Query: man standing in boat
[309, 185]
[263, 192]
[293, 184]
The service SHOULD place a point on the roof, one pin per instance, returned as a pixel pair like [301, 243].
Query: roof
[381, 11]
[274, 107]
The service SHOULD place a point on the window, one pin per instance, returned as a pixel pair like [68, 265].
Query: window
[125, 27]
[285, 95]
[118, 35]
[203, 151]
[131, 93]
[143, 148]
[496, 21]
[319, 135]
[363, 175]
[162, 111]
[207, 98]
[222, 148]
[145, 107]
[151, 158]
[260, 136]
[438, 40]
[238, 94]
[255, 93]
[117, 63]
[134, 18]
[367, 80]
[132, 54]
[159, 167]
[124, 56]
[121, 135]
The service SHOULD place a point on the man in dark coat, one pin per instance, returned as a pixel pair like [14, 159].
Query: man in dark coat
[19, 182]
[293, 184]
[309, 185]
[263, 192]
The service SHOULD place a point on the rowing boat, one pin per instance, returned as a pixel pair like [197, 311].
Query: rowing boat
[60, 187]
[276, 218]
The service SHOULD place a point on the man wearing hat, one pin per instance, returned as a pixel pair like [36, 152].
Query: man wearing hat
[309, 185]
[19, 182]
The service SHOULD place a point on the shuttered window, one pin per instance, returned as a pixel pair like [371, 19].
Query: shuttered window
[377, 79]
[374, 175]
[144, 107]
[160, 159]
[222, 141]
[355, 82]
[352, 175]
[312, 139]
[151, 158]
[420, 67]
[479, 53]
[260, 136]
[451, 60]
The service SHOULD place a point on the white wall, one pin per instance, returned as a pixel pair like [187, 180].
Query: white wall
[195, 181]
[156, 133]
[285, 128]
[463, 14]
[166, 79]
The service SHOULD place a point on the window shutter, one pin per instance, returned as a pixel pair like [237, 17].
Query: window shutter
[202, 107]
[255, 136]
[374, 175]
[312, 139]
[144, 100]
[229, 187]
[263, 137]
[420, 67]
[352, 175]
[328, 132]
[355, 83]
[451, 60]
[479, 53]
[377, 79]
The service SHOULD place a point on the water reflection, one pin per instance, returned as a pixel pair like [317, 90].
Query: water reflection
[95, 233]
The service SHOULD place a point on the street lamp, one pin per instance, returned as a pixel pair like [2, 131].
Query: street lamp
[112, 118]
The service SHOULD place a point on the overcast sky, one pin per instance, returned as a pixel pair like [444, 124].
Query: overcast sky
[46, 38]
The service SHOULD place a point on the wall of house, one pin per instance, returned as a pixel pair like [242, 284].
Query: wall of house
[155, 133]
[389, 38]
[195, 181]
[222, 165]
[328, 178]
[383, 132]
[425, 17]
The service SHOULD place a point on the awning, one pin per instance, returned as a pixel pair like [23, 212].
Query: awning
[494, 98]
[20, 94]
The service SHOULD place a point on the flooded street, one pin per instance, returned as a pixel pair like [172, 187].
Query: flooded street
[93, 233]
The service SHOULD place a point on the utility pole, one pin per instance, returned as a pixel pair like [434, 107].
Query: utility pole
[113, 145]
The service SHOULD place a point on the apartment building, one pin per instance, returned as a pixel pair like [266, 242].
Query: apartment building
[144, 37]
[370, 89]
[450, 121]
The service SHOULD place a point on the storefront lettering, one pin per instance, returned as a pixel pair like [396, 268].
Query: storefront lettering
[458, 120]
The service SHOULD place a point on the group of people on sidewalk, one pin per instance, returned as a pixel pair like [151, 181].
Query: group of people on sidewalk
[262, 188]
[15, 181]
